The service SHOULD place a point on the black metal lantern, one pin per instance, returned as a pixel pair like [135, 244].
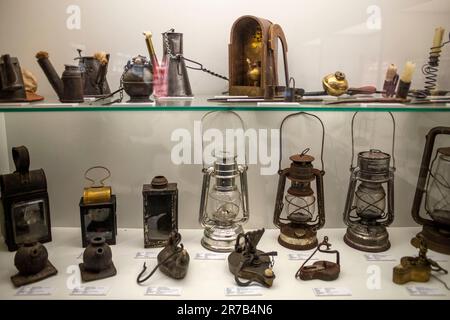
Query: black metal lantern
[434, 182]
[98, 210]
[25, 203]
[160, 211]
[371, 189]
[304, 211]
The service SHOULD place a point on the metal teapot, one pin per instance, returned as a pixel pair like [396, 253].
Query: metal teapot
[137, 79]
[69, 87]
[93, 70]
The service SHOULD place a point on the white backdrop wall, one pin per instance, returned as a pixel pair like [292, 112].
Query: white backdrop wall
[358, 37]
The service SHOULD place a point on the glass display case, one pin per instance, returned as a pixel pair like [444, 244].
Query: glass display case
[164, 137]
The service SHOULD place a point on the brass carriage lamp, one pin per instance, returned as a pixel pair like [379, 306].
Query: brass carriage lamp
[301, 220]
[26, 210]
[434, 182]
[98, 210]
[369, 207]
[224, 202]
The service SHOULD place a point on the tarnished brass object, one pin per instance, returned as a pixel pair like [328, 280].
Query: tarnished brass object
[417, 269]
[246, 262]
[97, 193]
[322, 270]
[254, 72]
[335, 84]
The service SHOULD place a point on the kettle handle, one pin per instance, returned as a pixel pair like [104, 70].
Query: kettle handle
[276, 32]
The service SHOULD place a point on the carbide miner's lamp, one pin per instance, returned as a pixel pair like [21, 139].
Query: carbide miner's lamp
[301, 219]
[370, 193]
[434, 181]
[224, 201]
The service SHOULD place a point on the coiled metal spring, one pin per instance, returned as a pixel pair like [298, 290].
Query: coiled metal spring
[431, 69]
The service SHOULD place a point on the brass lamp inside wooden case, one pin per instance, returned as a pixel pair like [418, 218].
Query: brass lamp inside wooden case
[253, 56]
[304, 211]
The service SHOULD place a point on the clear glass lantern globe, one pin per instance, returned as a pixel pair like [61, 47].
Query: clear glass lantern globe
[438, 194]
[223, 206]
[300, 209]
[370, 200]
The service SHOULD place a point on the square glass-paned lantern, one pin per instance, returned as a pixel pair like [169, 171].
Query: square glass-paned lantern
[160, 211]
[26, 212]
[434, 182]
[98, 211]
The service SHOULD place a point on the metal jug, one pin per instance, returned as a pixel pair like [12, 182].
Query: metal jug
[11, 81]
[93, 70]
[178, 80]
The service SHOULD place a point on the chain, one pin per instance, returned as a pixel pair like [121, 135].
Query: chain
[180, 56]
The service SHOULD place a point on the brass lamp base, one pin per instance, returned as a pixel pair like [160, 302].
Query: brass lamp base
[367, 238]
[437, 239]
[297, 237]
[221, 239]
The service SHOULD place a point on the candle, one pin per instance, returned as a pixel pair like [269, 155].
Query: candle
[437, 40]
[408, 72]
[391, 72]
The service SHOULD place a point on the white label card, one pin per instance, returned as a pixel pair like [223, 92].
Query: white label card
[291, 104]
[243, 291]
[210, 256]
[301, 256]
[419, 291]
[163, 291]
[332, 291]
[90, 291]
[379, 257]
[146, 255]
[34, 291]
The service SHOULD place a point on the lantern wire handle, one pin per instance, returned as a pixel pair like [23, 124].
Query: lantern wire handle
[393, 139]
[307, 149]
[206, 115]
[108, 174]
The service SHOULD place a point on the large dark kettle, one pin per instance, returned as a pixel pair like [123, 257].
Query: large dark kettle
[178, 79]
[93, 70]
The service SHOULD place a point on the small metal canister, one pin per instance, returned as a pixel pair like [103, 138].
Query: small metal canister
[73, 84]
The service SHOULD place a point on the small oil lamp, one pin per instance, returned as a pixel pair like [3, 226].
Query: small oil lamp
[160, 211]
[371, 188]
[299, 225]
[434, 182]
[98, 210]
[223, 204]
[25, 203]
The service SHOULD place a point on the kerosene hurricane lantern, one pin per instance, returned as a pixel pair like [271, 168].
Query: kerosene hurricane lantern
[370, 191]
[98, 210]
[224, 202]
[160, 211]
[26, 210]
[304, 212]
[434, 182]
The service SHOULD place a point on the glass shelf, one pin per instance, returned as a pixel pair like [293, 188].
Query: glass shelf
[201, 103]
